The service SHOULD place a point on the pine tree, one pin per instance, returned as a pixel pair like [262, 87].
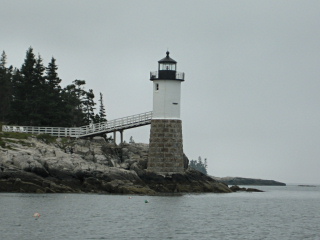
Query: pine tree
[102, 110]
[39, 108]
[72, 102]
[57, 108]
[32, 95]
[3, 60]
[88, 107]
[73, 97]
[199, 165]
[17, 107]
[52, 76]
[29, 93]
[24, 92]
[5, 88]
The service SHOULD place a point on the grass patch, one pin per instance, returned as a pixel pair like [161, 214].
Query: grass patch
[13, 135]
[16, 135]
[47, 138]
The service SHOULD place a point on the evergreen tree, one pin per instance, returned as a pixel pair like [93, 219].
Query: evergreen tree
[5, 88]
[88, 107]
[27, 72]
[102, 110]
[131, 140]
[39, 100]
[32, 95]
[27, 83]
[52, 76]
[101, 117]
[71, 102]
[24, 91]
[17, 107]
[3, 60]
[199, 165]
[56, 108]
[73, 98]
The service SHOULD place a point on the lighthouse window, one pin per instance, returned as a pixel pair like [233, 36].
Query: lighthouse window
[167, 66]
[157, 86]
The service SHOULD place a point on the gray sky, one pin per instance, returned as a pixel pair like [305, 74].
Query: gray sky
[250, 102]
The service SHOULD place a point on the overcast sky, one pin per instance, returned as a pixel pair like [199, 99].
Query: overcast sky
[251, 96]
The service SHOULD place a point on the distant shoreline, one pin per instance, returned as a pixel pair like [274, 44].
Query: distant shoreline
[248, 181]
[306, 185]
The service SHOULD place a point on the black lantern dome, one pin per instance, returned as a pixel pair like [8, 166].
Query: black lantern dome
[167, 63]
[167, 70]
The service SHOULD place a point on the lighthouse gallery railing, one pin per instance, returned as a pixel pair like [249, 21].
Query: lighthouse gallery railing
[155, 75]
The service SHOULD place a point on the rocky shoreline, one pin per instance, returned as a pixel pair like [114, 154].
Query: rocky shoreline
[37, 165]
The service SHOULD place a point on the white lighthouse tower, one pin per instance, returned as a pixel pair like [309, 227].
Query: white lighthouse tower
[166, 90]
[166, 147]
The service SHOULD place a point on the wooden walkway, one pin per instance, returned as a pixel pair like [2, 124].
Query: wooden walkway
[91, 130]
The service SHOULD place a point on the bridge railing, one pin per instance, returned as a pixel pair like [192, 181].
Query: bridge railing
[54, 131]
[91, 129]
[116, 124]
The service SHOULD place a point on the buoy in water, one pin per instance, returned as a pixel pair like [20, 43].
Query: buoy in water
[146, 201]
[36, 215]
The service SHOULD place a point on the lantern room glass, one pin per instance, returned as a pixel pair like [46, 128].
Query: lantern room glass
[167, 66]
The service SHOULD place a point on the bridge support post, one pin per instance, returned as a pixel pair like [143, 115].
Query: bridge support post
[121, 136]
[114, 137]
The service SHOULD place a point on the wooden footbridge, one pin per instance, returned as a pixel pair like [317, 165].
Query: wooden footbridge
[90, 130]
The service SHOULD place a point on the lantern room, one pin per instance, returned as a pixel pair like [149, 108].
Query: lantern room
[167, 63]
[167, 70]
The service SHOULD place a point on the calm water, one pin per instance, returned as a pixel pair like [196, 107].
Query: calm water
[280, 213]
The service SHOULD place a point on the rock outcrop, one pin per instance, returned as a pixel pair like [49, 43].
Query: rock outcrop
[65, 165]
[236, 188]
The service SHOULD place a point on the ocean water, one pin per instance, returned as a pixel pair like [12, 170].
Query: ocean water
[280, 213]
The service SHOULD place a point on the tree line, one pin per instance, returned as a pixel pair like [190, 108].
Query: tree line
[200, 165]
[32, 96]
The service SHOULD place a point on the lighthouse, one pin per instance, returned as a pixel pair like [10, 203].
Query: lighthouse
[166, 145]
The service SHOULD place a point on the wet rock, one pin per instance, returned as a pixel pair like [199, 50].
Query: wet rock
[236, 188]
[190, 181]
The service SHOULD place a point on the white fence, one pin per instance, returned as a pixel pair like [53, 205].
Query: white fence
[88, 130]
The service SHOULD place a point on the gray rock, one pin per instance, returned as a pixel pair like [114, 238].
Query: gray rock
[91, 166]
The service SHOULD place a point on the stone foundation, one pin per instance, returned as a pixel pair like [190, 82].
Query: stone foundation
[166, 148]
